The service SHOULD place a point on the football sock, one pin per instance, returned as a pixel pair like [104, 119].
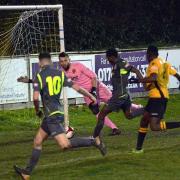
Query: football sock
[81, 142]
[137, 112]
[169, 125]
[141, 136]
[98, 127]
[33, 160]
[108, 123]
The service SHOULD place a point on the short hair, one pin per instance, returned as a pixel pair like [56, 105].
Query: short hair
[44, 55]
[153, 50]
[63, 54]
[112, 52]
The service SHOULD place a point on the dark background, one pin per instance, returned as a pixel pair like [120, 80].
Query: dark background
[99, 24]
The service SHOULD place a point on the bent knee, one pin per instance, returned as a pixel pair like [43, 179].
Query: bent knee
[38, 142]
[65, 146]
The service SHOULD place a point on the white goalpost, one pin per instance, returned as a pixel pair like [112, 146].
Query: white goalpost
[36, 28]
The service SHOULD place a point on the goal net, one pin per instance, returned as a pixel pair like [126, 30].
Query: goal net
[27, 31]
[35, 31]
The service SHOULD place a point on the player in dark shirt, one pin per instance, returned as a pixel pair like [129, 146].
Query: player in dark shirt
[120, 98]
[48, 83]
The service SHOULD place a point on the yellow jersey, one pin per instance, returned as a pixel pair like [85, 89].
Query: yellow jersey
[163, 71]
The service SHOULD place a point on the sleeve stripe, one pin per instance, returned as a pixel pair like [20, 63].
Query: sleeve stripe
[62, 78]
[40, 80]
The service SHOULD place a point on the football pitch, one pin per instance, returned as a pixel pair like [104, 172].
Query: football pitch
[161, 159]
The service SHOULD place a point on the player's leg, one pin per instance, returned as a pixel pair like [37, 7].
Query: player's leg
[151, 110]
[157, 123]
[142, 131]
[57, 131]
[36, 152]
[100, 123]
[127, 109]
[104, 94]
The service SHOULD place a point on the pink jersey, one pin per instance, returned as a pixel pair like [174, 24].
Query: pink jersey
[80, 75]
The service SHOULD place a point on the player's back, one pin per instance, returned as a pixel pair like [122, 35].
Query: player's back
[51, 82]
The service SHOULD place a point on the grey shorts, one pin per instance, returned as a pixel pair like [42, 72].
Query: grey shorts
[118, 103]
[53, 125]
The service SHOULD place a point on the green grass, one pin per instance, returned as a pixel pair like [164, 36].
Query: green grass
[161, 159]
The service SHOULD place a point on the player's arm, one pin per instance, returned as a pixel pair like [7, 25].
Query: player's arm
[36, 93]
[84, 93]
[173, 72]
[24, 79]
[94, 87]
[177, 76]
[89, 73]
[69, 83]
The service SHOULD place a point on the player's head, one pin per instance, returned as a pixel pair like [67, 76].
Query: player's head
[64, 60]
[152, 53]
[44, 59]
[111, 55]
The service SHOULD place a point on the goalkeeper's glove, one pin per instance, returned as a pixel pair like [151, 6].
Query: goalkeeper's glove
[133, 80]
[39, 114]
[93, 92]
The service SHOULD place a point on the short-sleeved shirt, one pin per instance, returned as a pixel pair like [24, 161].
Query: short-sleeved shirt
[49, 82]
[80, 75]
[120, 73]
[163, 70]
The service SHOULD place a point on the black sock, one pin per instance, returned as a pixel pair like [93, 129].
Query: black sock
[172, 125]
[141, 136]
[82, 142]
[98, 127]
[33, 160]
[137, 112]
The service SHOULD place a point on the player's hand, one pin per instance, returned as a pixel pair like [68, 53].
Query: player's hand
[93, 92]
[133, 80]
[94, 101]
[23, 79]
[39, 114]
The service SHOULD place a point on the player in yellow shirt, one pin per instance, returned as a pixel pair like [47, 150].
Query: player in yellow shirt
[156, 83]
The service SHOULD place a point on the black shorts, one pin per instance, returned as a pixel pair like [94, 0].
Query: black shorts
[156, 107]
[122, 102]
[53, 125]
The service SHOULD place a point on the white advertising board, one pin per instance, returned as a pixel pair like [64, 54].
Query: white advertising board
[87, 60]
[10, 90]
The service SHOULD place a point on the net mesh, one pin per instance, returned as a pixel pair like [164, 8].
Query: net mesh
[30, 32]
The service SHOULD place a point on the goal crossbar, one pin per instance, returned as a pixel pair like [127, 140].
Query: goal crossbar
[26, 7]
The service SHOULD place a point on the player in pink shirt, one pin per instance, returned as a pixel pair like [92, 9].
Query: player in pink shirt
[87, 79]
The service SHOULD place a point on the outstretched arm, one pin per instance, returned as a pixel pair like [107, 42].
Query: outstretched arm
[137, 72]
[84, 92]
[24, 79]
[177, 76]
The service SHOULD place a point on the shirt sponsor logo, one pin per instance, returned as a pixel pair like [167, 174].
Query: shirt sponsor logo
[74, 71]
